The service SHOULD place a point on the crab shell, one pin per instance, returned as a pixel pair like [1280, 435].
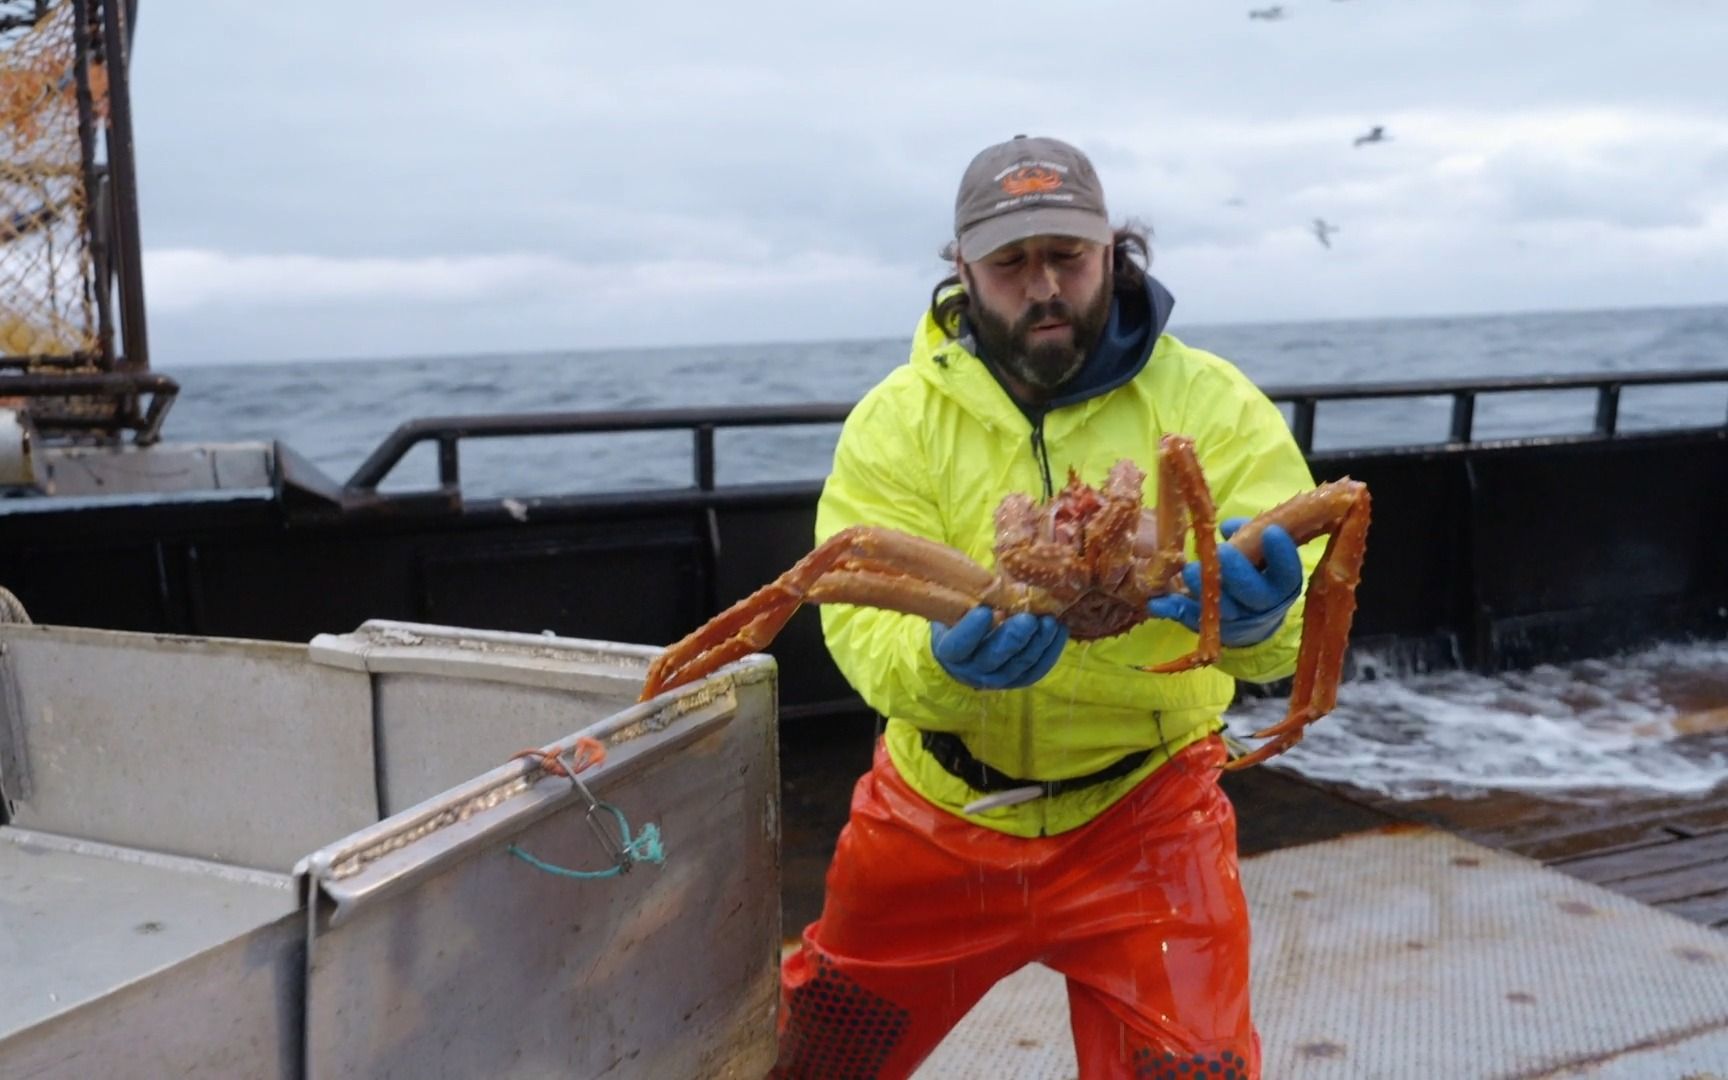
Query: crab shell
[1083, 549]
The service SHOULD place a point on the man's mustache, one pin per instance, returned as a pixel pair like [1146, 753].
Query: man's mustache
[1048, 311]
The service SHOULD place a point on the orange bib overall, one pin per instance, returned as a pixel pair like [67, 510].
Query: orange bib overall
[1141, 909]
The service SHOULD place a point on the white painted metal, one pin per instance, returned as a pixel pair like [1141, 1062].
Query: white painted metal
[1418, 954]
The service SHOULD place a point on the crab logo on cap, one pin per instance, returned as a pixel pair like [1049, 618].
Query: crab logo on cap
[1031, 180]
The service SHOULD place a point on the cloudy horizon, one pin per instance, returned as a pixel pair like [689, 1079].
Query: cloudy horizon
[433, 180]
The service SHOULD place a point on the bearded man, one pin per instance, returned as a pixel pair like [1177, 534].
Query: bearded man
[1031, 802]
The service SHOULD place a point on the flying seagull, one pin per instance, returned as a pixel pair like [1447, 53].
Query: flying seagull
[1323, 232]
[1276, 11]
[1375, 134]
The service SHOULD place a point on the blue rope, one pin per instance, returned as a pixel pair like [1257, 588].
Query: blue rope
[643, 848]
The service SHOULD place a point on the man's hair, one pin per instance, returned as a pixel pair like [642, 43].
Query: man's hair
[1133, 254]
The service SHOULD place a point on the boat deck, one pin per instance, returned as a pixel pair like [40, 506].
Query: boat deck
[1668, 852]
[1411, 952]
[1505, 935]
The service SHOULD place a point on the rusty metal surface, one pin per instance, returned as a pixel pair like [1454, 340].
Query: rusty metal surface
[1412, 953]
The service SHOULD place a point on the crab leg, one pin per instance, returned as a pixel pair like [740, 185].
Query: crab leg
[1183, 494]
[865, 565]
[1343, 509]
[1312, 513]
[869, 587]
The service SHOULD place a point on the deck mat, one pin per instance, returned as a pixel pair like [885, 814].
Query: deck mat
[1416, 954]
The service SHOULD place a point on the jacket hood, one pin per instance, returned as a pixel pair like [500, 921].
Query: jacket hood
[1135, 324]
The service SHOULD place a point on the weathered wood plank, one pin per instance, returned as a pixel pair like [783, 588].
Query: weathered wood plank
[1573, 827]
[1675, 853]
[1627, 836]
[1699, 822]
[1663, 850]
[1683, 884]
[1710, 910]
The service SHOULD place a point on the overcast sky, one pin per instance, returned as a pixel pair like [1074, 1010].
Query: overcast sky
[380, 179]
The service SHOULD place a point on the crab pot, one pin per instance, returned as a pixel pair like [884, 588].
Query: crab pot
[241, 858]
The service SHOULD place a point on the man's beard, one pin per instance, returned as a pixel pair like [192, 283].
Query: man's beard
[1046, 365]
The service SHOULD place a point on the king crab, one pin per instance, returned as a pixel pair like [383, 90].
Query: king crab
[1092, 557]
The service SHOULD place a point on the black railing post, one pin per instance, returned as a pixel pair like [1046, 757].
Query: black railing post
[1607, 408]
[1302, 423]
[704, 456]
[1463, 416]
[449, 461]
[704, 445]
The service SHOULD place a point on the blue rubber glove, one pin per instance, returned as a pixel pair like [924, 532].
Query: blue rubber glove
[1255, 600]
[1013, 655]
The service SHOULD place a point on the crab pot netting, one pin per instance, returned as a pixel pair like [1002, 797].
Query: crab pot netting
[48, 311]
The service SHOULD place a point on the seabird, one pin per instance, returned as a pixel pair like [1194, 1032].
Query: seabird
[1276, 11]
[1323, 232]
[1375, 134]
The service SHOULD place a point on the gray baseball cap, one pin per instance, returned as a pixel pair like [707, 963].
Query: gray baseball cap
[1028, 187]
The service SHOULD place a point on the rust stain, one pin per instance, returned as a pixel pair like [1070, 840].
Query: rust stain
[1519, 997]
[1694, 955]
[1395, 828]
[1301, 894]
[1576, 907]
[1028, 1044]
[1416, 946]
[1322, 1049]
[1466, 860]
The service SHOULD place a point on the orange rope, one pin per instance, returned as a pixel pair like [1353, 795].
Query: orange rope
[587, 754]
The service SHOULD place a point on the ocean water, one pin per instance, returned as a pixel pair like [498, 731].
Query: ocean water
[336, 412]
[1651, 722]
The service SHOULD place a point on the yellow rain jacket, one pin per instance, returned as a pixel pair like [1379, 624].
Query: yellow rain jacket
[931, 450]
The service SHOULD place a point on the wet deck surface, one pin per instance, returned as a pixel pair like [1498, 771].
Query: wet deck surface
[1411, 952]
[1668, 852]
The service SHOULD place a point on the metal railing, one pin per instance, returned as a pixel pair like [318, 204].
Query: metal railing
[448, 432]
[1305, 400]
[94, 404]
